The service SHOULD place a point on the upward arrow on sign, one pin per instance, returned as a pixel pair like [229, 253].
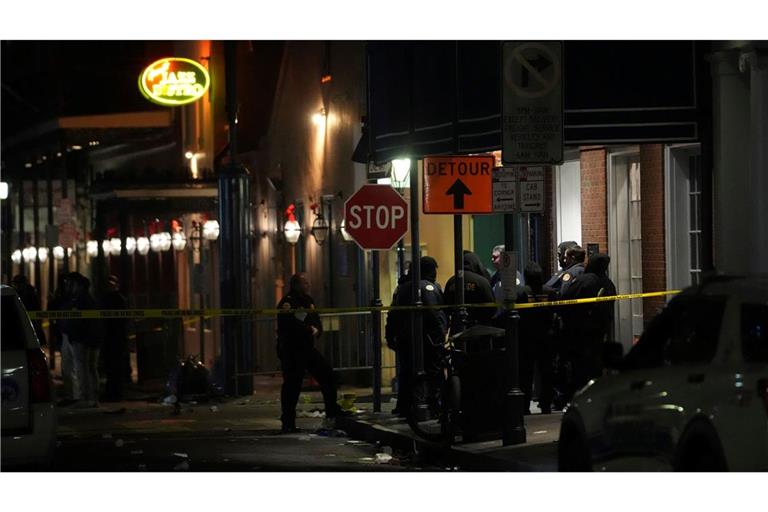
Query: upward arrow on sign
[458, 190]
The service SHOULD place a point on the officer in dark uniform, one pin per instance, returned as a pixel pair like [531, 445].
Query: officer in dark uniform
[574, 261]
[590, 330]
[398, 329]
[296, 335]
[477, 290]
[536, 347]
[555, 281]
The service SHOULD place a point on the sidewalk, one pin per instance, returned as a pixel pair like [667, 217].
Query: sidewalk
[539, 453]
[146, 415]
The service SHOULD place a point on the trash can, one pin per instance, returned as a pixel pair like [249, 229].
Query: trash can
[480, 363]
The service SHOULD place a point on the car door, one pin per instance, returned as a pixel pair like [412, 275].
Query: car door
[15, 370]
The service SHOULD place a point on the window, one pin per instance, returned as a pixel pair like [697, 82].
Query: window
[754, 332]
[686, 332]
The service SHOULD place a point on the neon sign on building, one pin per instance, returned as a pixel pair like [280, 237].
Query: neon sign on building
[174, 81]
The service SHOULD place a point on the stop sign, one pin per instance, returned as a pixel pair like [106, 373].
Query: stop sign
[376, 217]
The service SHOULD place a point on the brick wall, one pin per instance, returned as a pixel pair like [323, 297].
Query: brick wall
[652, 200]
[594, 217]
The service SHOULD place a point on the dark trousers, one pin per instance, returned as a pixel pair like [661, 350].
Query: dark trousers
[537, 352]
[295, 363]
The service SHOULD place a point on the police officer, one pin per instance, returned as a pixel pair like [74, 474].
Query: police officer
[398, 330]
[555, 281]
[536, 344]
[477, 290]
[574, 261]
[591, 327]
[296, 334]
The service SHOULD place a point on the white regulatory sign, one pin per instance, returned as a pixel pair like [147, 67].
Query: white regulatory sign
[504, 190]
[532, 103]
[518, 189]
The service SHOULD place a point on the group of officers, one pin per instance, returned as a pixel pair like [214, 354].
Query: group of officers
[565, 344]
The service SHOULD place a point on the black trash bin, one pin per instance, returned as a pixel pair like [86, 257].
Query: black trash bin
[480, 362]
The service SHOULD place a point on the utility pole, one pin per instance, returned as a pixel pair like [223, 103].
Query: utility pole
[513, 426]
[234, 183]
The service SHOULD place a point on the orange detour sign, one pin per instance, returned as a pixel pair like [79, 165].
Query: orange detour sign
[458, 184]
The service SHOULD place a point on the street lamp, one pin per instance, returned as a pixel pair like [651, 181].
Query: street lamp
[130, 245]
[291, 229]
[91, 247]
[106, 247]
[179, 241]
[42, 254]
[211, 230]
[29, 254]
[58, 253]
[320, 228]
[401, 170]
[16, 256]
[116, 245]
[142, 245]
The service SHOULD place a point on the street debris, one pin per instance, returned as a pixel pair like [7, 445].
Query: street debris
[333, 432]
[243, 402]
[383, 458]
[119, 443]
[366, 459]
[182, 455]
[214, 408]
[170, 400]
[540, 432]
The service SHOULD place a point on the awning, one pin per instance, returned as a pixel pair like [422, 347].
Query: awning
[441, 97]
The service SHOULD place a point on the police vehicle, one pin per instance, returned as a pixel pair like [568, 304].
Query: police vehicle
[691, 395]
[28, 414]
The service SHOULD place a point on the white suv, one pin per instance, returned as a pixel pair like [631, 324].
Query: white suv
[28, 415]
[691, 395]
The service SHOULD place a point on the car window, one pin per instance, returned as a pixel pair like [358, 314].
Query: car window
[754, 332]
[12, 329]
[686, 332]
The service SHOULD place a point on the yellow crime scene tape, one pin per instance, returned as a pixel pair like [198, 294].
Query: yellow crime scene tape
[208, 313]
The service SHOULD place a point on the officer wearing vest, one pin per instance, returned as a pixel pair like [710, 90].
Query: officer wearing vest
[574, 261]
[398, 329]
[555, 281]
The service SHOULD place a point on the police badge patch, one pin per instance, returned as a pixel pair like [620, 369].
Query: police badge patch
[566, 277]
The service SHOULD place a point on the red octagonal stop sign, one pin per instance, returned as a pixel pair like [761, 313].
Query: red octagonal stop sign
[376, 217]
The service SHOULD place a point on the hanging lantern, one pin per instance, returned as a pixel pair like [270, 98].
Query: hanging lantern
[142, 245]
[211, 230]
[179, 241]
[291, 229]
